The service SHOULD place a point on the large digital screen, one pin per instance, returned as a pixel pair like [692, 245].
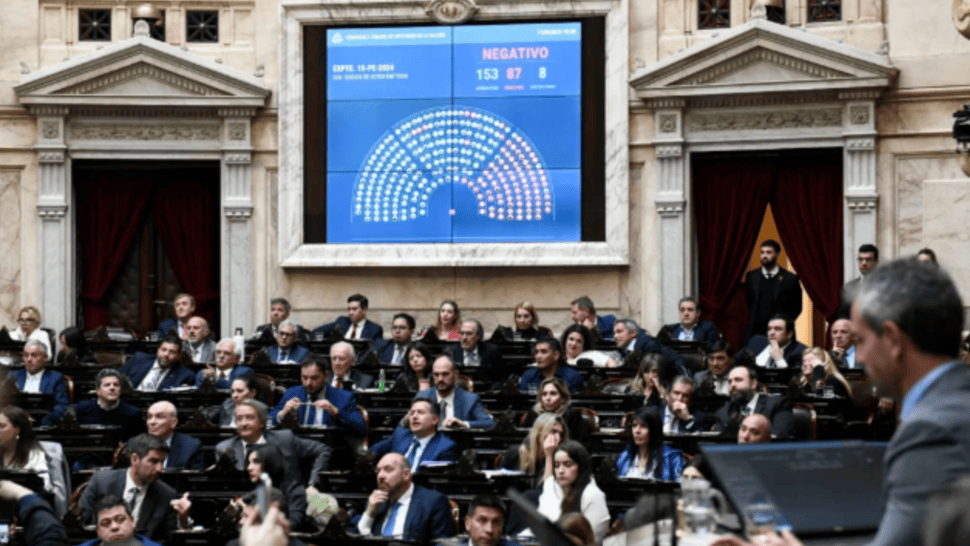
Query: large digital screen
[454, 134]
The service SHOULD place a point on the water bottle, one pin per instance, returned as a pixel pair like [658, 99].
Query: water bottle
[241, 343]
[380, 381]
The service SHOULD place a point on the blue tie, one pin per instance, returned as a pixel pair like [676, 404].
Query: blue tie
[413, 452]
[389, 524]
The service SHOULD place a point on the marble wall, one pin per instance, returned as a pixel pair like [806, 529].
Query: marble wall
[946, 208]
[10, 265]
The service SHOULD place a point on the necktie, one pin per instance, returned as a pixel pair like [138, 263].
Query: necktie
[398, 353]
[152, 382]
[353, 332]
[471, 359]
[340, 383]
[130, 497]
[222, 375]
[389, 524]
[285, 356]
[413, 451]
[444, 410]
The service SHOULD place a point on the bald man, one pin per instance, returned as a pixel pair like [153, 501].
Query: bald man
[197, 341]
[398, 508]
[184, 452]
[755, 429]
[843, 343]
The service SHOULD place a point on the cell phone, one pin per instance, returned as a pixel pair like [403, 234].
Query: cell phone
[4, 533]
[818, 373]
[262, 495]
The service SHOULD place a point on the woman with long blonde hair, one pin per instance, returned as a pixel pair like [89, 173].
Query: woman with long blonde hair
[530, 456]
[817, 356]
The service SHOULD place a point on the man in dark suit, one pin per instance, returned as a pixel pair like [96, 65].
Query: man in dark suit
[770, 290]
[315, 403]
[355, 325]
[343, 376]
[868, 258]
[633, 340]
[115, 526]
[279, 310]
[582, 311]
[184, 451]
[677, 417]
[485, 522]
[691, 328]
[227, 367]
[745, 400]
[459, 408]
[392, 351]
[420, 442]
[252, 417]
[184, 305]
[398, 508]
[152, 501]
[286, 351]
[843, 344]
[198, 342]
[549, 363]
[908, 318]
[476, 358]
[161, 372]
[108, 408]
[714, 380]
[780, 349]
[36, 378]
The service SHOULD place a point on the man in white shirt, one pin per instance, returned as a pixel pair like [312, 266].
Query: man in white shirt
[779, 349]
[36, 378]
[398, 508]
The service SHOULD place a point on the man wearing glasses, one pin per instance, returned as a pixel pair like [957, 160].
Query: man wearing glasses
[286, 350]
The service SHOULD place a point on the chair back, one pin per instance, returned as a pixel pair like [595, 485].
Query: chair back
[591, 417]
[806, 424]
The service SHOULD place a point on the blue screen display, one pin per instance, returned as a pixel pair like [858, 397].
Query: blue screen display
[454, 134]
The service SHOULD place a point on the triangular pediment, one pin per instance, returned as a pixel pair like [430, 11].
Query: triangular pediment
[144, 72]
[762, 57]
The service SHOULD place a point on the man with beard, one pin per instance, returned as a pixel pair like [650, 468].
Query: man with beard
[746, 400]
[197, 343]
[770, 290]
[398, 508]
[459, 408]
[160, 373]
[714, 380]
[420, 442]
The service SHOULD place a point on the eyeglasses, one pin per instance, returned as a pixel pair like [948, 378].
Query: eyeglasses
[399, 328]
[287, 334]
[26, 320]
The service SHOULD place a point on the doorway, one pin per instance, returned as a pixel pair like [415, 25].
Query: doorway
[146, 231]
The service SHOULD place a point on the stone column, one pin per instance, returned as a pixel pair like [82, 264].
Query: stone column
[674, 260]
[55, 231]
[237, 275]
[861, 197]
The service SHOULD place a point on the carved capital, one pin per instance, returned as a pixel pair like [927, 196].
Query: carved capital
[51, 212]
[669, 151]
[860, 203]
[238, 213]
[860, 144]
[670, 208]
[238, 158]
[50, 156]
[451, 12]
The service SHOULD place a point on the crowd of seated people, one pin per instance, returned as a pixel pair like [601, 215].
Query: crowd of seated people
[449, 373]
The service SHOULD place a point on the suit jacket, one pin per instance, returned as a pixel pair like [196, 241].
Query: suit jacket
[184, 453]
[704, 331]
[140, 364]
[53, 383]
[39, 524]
[930, 450]
[533, 377]
[604, 326]
[670, 468]
[156, 518]
[776, 408]
[208, 351]
[168, 326]
[701, 376]
[358, 381]
[384, 349]
[266, 333]
[428, 517]
[792, 353]
[298, 354]
[294, 449]
[490, 368]
[237, 371]
[645, 343]
[468, 407]
[346, 403]
[226, 412]
[439, 448]
[787, 297]
[371, 330]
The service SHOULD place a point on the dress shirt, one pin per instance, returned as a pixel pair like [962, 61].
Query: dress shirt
[367, 521]
[32, 383]
[751, 405]
[422, 445]
[449, 408]
[355, 330]
[770, 273]
[285, 355]
[472, 358]
[671, 421]
[721, 385]
[850, 357]
[139, 497]
[398, 356]
[686, 334]
[917, 391]
[344, 379]
[317, 412]
[150, 383]
[764, 357]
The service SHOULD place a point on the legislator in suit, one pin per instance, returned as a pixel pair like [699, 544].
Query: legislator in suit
[345, 402]
[398, 508]
[158, 372]
[439, 448]
[483, 362]
[295, 450]
[365, 329]
[776, 408]
[704, 331]
[223, 380]
[156, 518]
[770, 290]
[791, 353]
[51, 382]
[184, 452]
[466, 407]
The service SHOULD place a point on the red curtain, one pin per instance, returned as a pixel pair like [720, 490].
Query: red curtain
[188, 229]
[109, 213]
[808, 212]
[730, 199]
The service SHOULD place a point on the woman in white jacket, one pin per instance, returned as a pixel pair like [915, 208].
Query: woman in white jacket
[571, 488]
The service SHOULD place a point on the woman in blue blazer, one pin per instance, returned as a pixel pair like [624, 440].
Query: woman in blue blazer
[646, 456]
